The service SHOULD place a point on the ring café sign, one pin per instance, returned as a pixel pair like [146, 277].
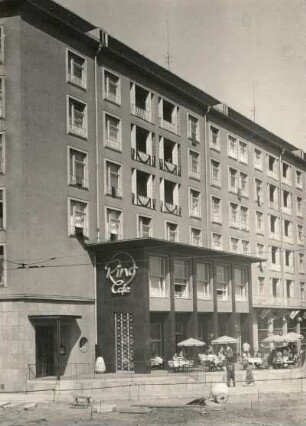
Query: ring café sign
[121, 271]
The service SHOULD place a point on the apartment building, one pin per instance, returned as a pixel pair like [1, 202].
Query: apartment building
[115, 171]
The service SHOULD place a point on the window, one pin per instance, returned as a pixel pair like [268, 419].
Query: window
[113, 184]
[203, 280]
[195, 203]
[77, 117]
[234, 215]
[289, 289]
[112, 132]
[171, 231]
[241, 283]
[302, 290]
[287, 205]
[214, 138]
[243, 152]
[234, 245]
[275, 257]
[245, 247]
[299, 179]
[78, 168]
[259, 223]
[301, 264]
[144, 227]
[158, 276]
[142, 189]
[258, 159]
[299, 204]
[274, 226]
[196, 237]
[170, 197]
[258, 192]
[112, 87]
[272, 163]
[276, 290]
[169, 156]
[260, 249]
[2, 152]
[288, 230]
[222, 282]
[78, 217]
[232, 147]
[273, 196]
[76, 69]
[244, 218]
[113, 224]
[289, 260]
[261, 286]
[244, 184]
[1, 45]
[233, 180]
[168, 114]
[156, 337]
[287, 173]
[181, 279]
[215, 173]
[194, 165]
[217, 241]
[141, 102]
[300, 234]
[216, 211]
[193, 129]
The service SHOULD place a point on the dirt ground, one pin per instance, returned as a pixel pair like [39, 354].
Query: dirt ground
[271, 409]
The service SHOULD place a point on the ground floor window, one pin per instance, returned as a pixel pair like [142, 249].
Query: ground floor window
[156, 339]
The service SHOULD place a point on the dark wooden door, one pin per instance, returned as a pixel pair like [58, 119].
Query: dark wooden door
[45, 359]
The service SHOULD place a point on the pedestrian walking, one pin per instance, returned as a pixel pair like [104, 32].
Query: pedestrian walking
[230, 372]
[249, 377]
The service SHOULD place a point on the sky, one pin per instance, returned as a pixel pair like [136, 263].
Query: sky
[242, 52]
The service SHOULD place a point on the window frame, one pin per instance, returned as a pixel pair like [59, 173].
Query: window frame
[2, 44]
[257, 165]
[69, 175]
[69, 75]
[3, 106]
[232, 154]
[117, 100]
[140, 216]
[190, 116]
[168, 222]
[216, 146]
[3, 284]
[194, 213]
[213, 218]
[212, 181]
[240, 157]
[70, 127]
[107, 226]
[193, 228]
[109, 143]
[166, 278]
[207, 295]
[85, 230]
[107, 186]
[194, 175]
[221, 240]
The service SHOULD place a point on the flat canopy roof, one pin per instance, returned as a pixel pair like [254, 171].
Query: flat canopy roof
[154, 243]
[59, 316]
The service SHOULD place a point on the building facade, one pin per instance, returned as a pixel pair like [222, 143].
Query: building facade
[99, 144]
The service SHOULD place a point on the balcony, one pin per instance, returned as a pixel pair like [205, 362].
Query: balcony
[144, 201]
[171, 127]
[143, 157]
[169, 167]
[141, 113]
[170, 208]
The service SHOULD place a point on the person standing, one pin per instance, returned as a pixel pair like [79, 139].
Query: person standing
[230, 372]
[249, 377]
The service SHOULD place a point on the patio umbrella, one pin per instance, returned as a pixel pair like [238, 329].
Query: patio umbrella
[224, 340]
[191, 342]
[292, 337]
[274, 338]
